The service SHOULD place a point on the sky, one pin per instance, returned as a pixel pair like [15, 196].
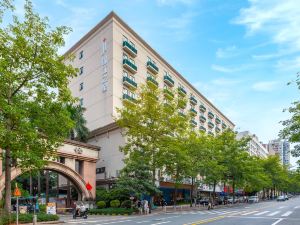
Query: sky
[239, 53]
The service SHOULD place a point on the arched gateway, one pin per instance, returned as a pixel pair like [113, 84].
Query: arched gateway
[72, 152]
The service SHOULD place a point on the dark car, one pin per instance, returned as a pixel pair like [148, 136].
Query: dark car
[203, 201]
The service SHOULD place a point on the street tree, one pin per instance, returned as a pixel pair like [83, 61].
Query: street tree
[33, 82]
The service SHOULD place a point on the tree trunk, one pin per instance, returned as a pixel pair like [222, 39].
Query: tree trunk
[175, 194]
[57, 186]
[39, 184]
[191, 192]
[30, 185]
[233, 192]
[214, 191]
[7, 180]
[47, 186]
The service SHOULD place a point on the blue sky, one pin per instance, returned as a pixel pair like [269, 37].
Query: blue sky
[240, 54]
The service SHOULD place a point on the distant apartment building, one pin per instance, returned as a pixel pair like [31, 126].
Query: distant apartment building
[255, 147]
[113, 61]
[282, 149]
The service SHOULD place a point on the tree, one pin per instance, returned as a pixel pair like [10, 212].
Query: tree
[79, 131]
[33, 82]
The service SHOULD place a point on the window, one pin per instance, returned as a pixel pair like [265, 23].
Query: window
[79, 166]
[80, 86]
[150, 75]
[81, 70]
[129, 93]
[62, 160]
[81, 102]
[125, 38]
[125, 74]
[125, 56]
[100, 170]
[132, 44]
[104, 45]
[81, 54]
[150, 60]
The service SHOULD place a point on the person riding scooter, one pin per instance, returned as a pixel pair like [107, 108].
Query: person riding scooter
[80, 211]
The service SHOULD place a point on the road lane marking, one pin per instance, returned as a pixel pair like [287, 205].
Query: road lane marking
[297, 207]
[248, 213]
[274, 213]
[145, 221]
[287, 213]
[281, 207]
[122, 221]
[161, 223]
[261, 213]
[278, 221]
[211, 212]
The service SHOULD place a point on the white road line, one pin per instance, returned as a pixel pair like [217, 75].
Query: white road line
[248, 213]
[122, 221]
[145, 221]
[297, 207]
[274, 213]
[287, 213]
[211, 212]
[281, 207]
[261, 213]
[278, 221]
[160, 223]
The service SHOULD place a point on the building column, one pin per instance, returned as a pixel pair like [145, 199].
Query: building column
[89, 175]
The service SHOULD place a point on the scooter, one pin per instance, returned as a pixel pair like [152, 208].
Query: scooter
[79, 213]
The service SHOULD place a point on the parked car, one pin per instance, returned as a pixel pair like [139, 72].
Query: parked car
[281, 198]
[203, 201]
[286, 197]
[230, 200]
[253, 199]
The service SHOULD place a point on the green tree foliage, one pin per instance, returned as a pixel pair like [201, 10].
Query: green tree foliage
[33, 82]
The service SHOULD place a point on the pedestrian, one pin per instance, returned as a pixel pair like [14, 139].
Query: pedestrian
[140, 207]
[146, 207]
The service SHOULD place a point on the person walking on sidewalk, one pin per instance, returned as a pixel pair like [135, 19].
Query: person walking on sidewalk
[146, 207]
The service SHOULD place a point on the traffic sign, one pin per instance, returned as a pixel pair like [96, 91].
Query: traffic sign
[17, 192]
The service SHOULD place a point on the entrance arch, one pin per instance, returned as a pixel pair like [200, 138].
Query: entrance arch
[66, 171]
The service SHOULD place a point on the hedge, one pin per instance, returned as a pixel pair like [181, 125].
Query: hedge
[126, 204]
[114, 203]
[101, 204]
[28, 218]
[111, 211]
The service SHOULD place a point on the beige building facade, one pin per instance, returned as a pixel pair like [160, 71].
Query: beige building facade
[113, 61]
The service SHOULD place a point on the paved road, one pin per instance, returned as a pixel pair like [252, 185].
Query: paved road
[266, 213]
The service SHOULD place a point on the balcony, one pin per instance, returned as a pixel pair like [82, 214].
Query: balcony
[152, 67]
[128, 98]
[152, 81]
[169, 81]
[168, 105]
[193, 100]
[181, 91]
[210, 115]
[129, 48]
[182, 114]
[202, 128]
[168, 94]
[202, 119]
[210, 124]
[193, 112]
[129, 66]
[224, 126]
[218, 121]
[218, 130]
[202, 108]
[193, 123]
[210, 133]
[129, 83]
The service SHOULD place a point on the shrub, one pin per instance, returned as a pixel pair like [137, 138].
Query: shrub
[111, 211]
[115, 203]
[28, 218]
[101, 204]
[126, 204]
[43, 208]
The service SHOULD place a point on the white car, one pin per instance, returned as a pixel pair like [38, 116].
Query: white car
[253, 199]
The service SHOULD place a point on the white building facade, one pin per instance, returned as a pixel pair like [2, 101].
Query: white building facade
[255, 147]
[113, 60]
[282, 149]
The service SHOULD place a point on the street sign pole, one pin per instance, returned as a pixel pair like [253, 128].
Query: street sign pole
[17, 210]
[17, 194]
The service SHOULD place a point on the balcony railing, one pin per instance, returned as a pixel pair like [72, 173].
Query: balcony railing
[152, 81]
[210, 133]
[152, 67]
[129, 48]
[193, 100]
[193, 123]
[202, 119]
[182, 104]
[193, 111]
[211, 115]
[224, 126]
[218, 121]
[129, 66]
[129, 98]
[168, 94]
[182, 114]
[218, 130]
[210, 124]
[181, 91]
[129, 82]
[202, 128]
[202, 108]
[169, 81]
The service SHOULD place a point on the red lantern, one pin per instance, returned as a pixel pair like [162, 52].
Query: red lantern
[88, 186]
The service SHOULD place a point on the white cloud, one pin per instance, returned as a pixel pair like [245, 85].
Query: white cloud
[265, 85]
[276, 18]
[289, 64]
[230, 69]
[227, 52]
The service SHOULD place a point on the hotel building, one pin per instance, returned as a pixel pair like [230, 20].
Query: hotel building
[113, 61]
